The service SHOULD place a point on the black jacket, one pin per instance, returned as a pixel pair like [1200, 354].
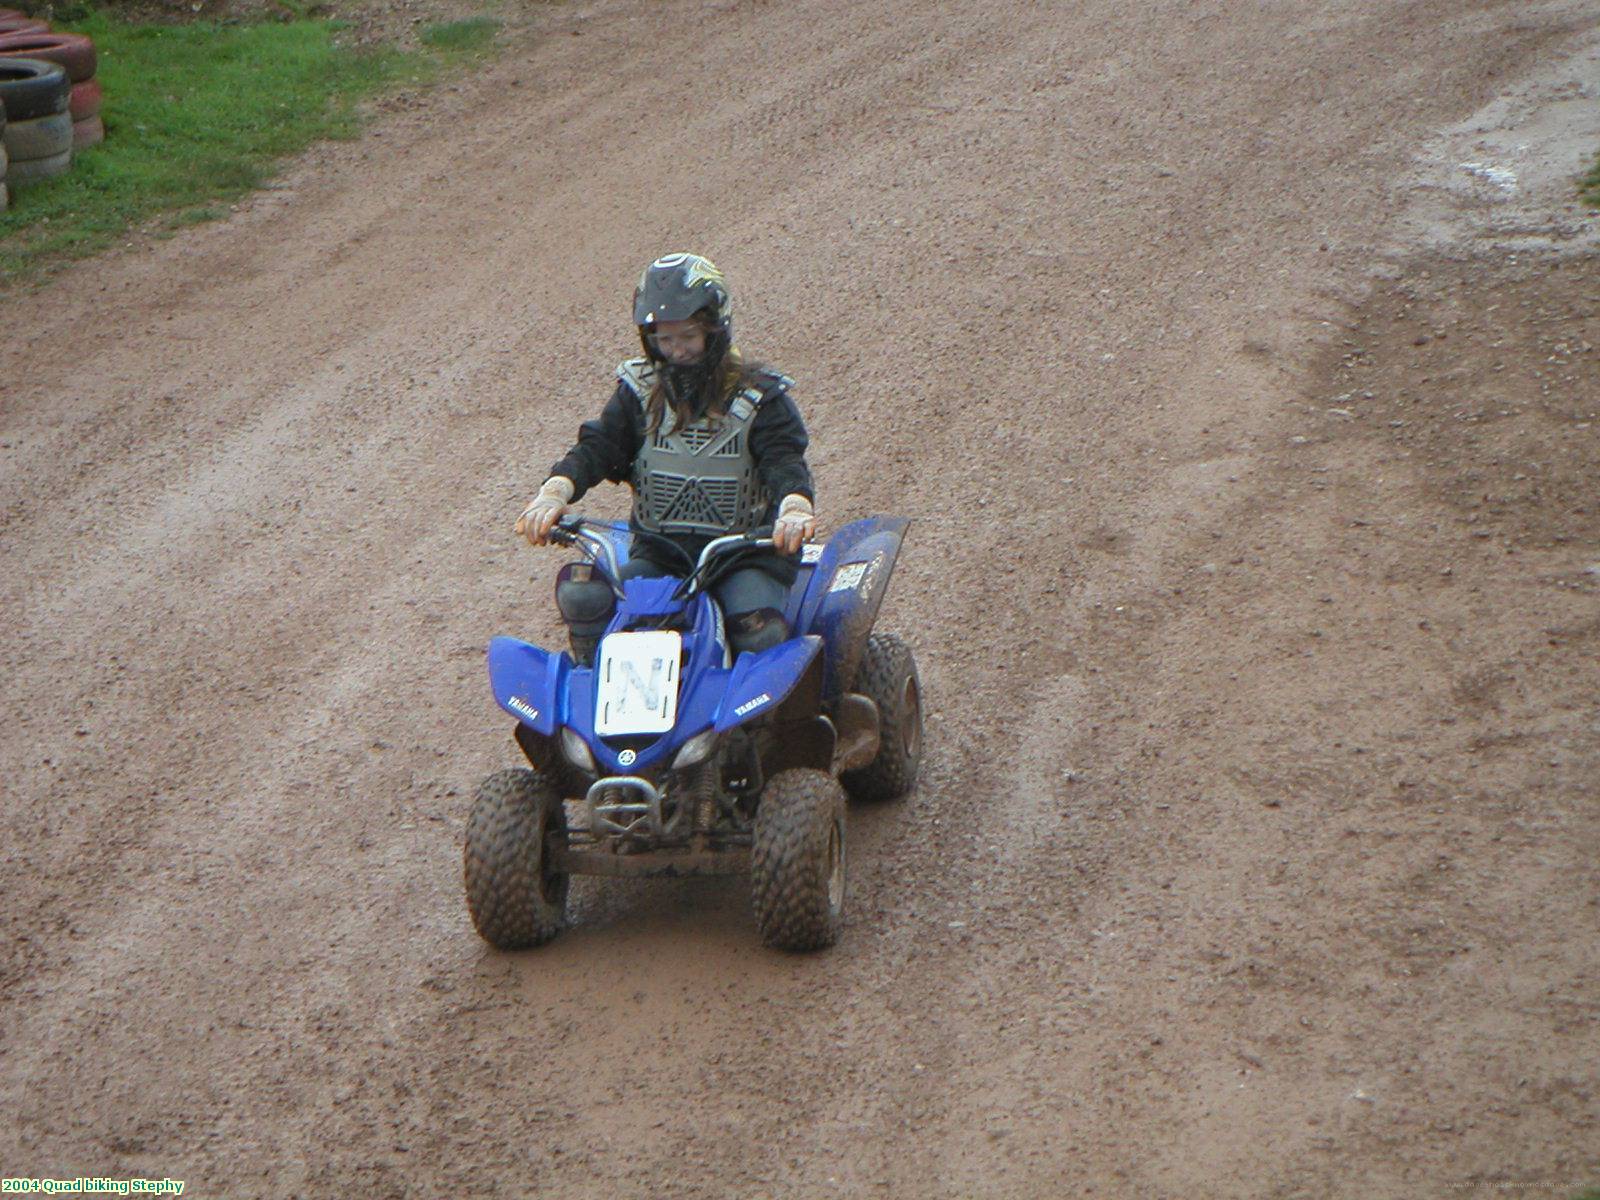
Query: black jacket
[607, 446]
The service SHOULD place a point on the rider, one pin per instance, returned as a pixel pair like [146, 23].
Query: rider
[710, 444]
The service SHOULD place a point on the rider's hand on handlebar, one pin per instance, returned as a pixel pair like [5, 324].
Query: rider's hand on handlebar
[796, 524]
[545, 509]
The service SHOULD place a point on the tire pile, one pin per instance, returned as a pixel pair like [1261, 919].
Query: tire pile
[49, 100]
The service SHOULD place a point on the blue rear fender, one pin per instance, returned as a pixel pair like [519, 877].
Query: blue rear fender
[841, 597]
[529, 683]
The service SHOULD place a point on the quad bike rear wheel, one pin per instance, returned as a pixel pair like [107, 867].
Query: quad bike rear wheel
[797, 860]
[515, 898]
[888, 677]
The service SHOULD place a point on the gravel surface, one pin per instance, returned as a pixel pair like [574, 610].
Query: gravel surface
[1253, 576]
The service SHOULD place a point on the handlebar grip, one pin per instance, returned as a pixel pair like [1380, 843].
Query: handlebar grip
[565, 531]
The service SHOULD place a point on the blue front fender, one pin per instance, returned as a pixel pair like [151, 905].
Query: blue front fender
[528, 682]
[760, 682]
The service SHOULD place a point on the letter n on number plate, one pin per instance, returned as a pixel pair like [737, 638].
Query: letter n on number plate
[636, 688]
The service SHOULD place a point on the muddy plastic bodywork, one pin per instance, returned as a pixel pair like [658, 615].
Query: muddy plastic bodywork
[830, 611]
[837, 597]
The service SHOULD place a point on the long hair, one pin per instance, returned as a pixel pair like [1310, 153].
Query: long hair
[730, 376]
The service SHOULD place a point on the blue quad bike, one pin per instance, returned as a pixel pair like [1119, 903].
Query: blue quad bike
[659, 752]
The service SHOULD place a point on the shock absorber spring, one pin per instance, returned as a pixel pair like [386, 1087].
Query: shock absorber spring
[702, 789]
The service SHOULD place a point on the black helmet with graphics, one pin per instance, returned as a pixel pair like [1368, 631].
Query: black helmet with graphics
[675, 288]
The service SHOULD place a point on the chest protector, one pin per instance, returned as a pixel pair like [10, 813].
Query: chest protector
[698, 478]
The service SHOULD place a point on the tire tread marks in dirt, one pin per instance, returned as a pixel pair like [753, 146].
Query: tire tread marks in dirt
[888, 677]
[791, 862]
[515, 900]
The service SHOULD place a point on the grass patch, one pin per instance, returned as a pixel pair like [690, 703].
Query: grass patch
[1589, 189]
[198, 115]
[461, 37]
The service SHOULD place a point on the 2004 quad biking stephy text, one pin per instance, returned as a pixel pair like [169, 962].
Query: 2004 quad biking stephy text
[659, 752]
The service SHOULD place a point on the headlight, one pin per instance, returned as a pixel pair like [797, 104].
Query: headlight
[696, 750]
[576, 750]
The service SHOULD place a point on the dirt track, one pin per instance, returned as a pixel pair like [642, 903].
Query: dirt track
[1256, 852]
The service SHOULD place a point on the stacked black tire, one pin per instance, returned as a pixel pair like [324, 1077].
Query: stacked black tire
[37, 126]
[49, 97]
[76, 55]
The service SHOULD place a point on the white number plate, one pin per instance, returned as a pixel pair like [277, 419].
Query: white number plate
[636, 687]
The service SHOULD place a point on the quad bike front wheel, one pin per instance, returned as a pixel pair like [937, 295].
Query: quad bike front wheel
[888, 677]
[515, 899]
[797, 860]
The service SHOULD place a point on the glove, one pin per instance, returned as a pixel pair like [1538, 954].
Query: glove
[796, 524]
[545, 509]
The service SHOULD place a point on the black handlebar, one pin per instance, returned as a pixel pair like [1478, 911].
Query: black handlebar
[695, 576]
